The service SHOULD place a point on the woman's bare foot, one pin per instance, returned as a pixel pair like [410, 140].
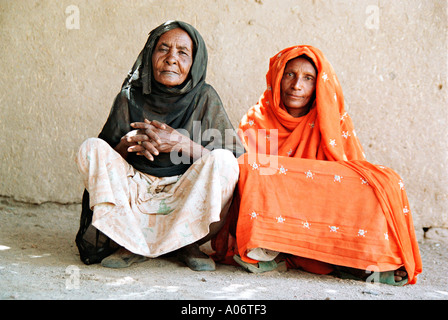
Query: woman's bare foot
[400, 274]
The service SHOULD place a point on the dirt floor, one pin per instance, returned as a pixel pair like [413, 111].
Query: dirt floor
[39, 260]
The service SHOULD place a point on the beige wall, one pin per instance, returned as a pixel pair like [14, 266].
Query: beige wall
[57, 83]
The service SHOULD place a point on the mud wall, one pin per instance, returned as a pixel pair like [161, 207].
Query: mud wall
[63, 62]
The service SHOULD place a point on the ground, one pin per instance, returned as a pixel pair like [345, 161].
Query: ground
[39, 260]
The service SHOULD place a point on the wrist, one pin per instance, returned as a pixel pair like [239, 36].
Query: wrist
[193, 150]
[122, 148]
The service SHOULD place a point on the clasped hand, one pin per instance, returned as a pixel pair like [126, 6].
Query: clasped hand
[153, 137]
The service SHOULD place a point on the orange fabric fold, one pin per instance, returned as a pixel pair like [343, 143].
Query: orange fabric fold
[306, 188]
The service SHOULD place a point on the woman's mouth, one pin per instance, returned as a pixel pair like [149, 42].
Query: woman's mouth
[293, 96]
[169, 72]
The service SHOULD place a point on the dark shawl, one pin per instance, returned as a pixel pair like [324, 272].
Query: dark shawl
[191, 105]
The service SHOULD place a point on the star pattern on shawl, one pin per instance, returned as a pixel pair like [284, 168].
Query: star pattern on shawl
[282, 170]
[362, 233]
[280, 219]
[405, 210]
[337, 178]
[333, 143]
[325, 77]
[306, 224]
[309, 174]
[333, 228]
[253, 215]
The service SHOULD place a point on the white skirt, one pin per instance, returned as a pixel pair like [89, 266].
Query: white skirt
[149, 215]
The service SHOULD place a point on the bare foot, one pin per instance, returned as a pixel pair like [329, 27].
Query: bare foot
[400, 274]
[123, 252]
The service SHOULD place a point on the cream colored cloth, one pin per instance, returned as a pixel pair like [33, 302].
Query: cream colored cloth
[152, 216]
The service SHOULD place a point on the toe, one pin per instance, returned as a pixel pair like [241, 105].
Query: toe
[400, 275]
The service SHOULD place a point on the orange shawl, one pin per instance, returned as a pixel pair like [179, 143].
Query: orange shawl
[326, 133]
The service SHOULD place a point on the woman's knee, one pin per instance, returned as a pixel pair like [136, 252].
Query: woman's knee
[225, 158]
[92, 144]
[89, 150]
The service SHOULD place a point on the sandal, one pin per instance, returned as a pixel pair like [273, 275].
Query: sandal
[388, 277]
[261, 266]
[122, 259]
[195, 259]
[385, 277]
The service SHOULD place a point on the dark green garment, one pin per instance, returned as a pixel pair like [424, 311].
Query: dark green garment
[192, 108]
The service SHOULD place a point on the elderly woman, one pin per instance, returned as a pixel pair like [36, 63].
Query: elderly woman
[305, 188]
[161, 175]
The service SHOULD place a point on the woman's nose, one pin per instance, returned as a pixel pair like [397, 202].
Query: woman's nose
[171, 58]
[297, 84]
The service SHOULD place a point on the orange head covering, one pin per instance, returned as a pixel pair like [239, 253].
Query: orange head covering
[325, 133]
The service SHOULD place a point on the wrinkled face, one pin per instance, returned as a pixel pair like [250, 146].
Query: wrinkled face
[297, 86]
[172, 58]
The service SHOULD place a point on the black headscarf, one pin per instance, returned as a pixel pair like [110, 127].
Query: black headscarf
[193, 106]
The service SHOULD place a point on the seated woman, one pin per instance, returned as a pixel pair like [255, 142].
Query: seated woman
[305, 188]
[161, 176]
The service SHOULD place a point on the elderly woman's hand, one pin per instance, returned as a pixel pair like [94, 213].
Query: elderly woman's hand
[133, 140]
[154, 137]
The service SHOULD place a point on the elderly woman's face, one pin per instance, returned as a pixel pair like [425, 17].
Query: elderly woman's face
[297, 86]
[172, 57]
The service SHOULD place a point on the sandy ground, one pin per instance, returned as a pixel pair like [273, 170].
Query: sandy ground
[39, 260]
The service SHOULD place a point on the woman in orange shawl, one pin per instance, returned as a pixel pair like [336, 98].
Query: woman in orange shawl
[306, 189]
